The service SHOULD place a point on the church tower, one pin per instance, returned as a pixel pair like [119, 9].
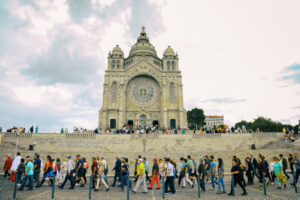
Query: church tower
[142, 89]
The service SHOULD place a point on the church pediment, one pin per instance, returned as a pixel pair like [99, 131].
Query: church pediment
[144, 65]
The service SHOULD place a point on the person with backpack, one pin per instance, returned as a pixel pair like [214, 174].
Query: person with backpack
[237, 176]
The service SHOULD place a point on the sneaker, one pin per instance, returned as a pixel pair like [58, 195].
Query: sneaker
[107, 189]
[219, 192]
[149, 188]
[244, 194]
[77, 184]
[144, 192]
[133, 191]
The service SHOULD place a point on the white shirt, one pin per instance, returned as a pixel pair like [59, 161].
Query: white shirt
[170, 168]
[70, 165]
[15, 163]
[104, 163]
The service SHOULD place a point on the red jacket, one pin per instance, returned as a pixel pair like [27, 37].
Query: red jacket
[8, 164]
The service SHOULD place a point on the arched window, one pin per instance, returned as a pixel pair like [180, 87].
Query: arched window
[114, 92]
[172, 93]
[173, 65]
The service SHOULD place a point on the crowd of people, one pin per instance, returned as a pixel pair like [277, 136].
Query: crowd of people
[188, 171]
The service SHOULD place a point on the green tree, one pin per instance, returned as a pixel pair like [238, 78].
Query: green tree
[243, 123]
[195, 117]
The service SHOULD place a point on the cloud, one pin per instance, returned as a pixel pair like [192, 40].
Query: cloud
[65, 61]
[79, 10]
[223, 100]
[296, 107]
[292, 74]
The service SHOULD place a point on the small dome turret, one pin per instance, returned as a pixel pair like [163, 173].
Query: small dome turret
[117, 51]
[169, 52]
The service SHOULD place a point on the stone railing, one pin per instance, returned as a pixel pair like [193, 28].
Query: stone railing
[81, 136]
[144, 136]
[18, 134]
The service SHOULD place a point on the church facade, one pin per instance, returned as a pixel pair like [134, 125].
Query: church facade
[142, 89]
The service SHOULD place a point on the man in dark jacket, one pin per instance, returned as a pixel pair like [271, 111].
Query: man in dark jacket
[201, 172]
[117, 170]
[237, 176]
[254, 164]
[284, 165]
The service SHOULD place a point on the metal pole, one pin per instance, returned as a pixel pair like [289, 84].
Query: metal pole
[232, 185]
[15, 188]
[128, 188]
[90, 187]
[295, 183]
[163, 189]
[264, 181]
[53, 186]
[198, 186]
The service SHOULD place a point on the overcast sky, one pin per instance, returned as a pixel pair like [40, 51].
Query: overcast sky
[240, 59]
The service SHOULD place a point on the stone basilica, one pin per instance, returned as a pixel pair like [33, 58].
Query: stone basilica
[142, 89]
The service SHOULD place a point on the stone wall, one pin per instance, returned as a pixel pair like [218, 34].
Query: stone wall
[160, 146]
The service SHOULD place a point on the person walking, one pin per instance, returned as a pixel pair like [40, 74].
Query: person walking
[7, 166]
[28, 174]
[213, 169]
[236, 171]
[101, 178]
[284, 165]
[79, 170]
[124, 174]
[69, 170]
[249, 171]
[20, 171]
[48, 171]
[147, 169]
[201, 172]
[254, 164]
[117, 170]
[297, 167]
[94, 168]
[278, 170]
[221, 176]
[37, 169]
[141, 177]
[155, 175]
[169, 177]
[186, 175]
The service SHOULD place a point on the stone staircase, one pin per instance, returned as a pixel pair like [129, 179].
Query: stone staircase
[160, 146]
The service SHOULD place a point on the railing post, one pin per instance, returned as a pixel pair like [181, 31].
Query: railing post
[198, 179]
[295, 183]
[53, 187]
[128, 188]
[163, 188]
[90, 187]
[15, 188]
[264, 181]
[232, 185]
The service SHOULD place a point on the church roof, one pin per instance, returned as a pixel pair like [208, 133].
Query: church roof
[117, 50]
[143, 46]
[169, 52]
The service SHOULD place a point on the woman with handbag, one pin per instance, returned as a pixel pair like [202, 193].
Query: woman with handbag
[278, 171]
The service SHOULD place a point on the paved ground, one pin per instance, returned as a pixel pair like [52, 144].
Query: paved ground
[254, 192]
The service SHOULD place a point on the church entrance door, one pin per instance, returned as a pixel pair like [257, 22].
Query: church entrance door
[173, 123]
[155, 123]
[143, 120]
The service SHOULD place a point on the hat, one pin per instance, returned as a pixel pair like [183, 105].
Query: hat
[68, 156]
[154, 159]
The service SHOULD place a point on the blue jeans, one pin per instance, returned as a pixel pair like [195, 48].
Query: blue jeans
[37, 176]
[30, 177]
[221, 182]
[213, 182]
[124, 180]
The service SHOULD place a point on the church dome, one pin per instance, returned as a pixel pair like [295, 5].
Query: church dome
[143, 46]
[117, 50]
[169, 52]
